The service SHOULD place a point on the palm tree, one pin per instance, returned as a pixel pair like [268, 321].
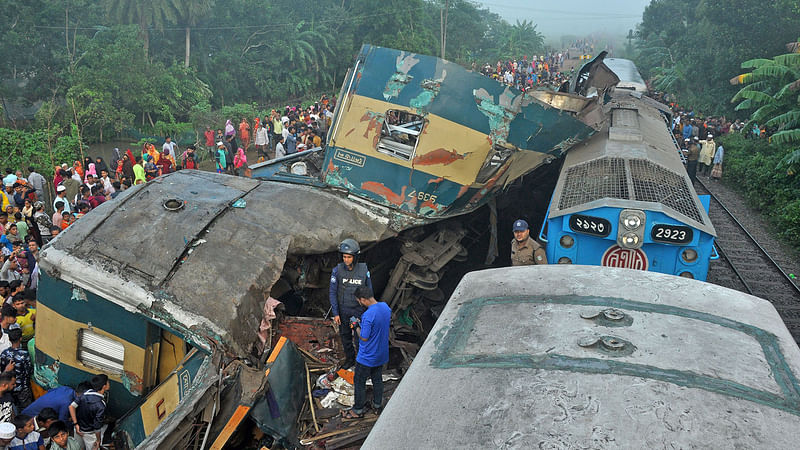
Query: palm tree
[522, 39]
[145, 13]
[770, 88]
[188, 13]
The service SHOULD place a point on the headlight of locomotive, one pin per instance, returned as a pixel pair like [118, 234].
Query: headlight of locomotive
[630, 232]
[687, 275]
[689, 255]
[567, 241]
[564, 260]
[630, 240]
[631, 221]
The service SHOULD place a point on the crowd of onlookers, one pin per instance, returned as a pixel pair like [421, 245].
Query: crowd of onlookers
[276, 135]
[524, 73]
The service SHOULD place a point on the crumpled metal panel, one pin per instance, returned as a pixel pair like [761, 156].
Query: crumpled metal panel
[213, 258]
[142, 236]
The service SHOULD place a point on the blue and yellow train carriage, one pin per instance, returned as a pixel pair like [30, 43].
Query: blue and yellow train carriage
[163, 289]
[624, 199]
[429, 138]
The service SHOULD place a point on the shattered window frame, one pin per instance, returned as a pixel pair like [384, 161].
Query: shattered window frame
[494, 161]
[390, 141]
[100, 352]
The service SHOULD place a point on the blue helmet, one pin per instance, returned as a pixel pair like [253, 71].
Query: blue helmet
[349, 247]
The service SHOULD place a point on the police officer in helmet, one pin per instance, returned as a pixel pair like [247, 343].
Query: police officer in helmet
[345, 278]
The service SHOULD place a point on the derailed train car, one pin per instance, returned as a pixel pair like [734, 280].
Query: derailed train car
[163, 288]
[624, 199]
[559, 356]
[428, 139]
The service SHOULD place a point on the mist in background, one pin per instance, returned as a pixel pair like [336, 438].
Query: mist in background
[578, 18]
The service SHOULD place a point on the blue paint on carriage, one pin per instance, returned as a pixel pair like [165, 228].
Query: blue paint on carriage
[661, 257]
[120, 400]
[536, 127]
[58, 296]
[390, 184]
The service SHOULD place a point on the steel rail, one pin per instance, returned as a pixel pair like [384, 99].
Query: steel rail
[750, 236]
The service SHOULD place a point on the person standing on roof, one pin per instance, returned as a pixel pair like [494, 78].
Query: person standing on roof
[524, 250]
[346, 277]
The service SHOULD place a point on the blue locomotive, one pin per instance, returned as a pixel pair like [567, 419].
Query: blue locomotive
[624, 199]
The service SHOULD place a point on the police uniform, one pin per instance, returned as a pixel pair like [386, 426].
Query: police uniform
[344, 283]
[527, 253]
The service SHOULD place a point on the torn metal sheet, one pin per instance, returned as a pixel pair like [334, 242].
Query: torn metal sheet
[200, 293]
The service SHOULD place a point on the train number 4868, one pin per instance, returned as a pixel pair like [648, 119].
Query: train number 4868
[422, 196]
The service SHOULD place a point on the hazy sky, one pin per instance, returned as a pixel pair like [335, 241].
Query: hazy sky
[573, 17]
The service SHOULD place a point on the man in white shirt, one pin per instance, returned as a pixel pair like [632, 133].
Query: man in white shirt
[169, 147]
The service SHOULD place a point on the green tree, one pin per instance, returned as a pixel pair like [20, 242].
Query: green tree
[770, 89]
[521, 39]
[146, 14]
[189, 13]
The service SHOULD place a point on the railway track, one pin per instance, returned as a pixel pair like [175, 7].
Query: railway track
[746, 266]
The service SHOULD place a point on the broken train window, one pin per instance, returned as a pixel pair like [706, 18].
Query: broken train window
[400, 134]
[494, 160]
[100, 352]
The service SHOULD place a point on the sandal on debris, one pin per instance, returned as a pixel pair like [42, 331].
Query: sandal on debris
[350, 414]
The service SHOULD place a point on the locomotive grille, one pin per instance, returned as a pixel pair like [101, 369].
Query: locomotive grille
[653, 183]
[593, 180]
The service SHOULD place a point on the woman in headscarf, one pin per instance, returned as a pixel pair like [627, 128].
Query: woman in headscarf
[127, 166]
[57, 179]
[90, 171]
[27, 210]
[150, 149]
[244, 132]
[229, 130]
[100, 165]
[240, 161]
[115, 158]
[77, 168]
[165, 165]
[130, 156]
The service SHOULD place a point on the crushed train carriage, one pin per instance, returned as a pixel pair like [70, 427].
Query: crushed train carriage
[428, 139]
[163, 288]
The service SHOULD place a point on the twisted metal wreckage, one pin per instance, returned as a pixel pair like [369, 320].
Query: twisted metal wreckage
[164, 289]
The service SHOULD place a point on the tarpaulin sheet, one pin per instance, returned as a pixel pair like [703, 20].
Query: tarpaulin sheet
[276, 412]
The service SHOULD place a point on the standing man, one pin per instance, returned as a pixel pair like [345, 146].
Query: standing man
[37, 182]
[691, 160]
[346, 277]
[524, 250]
[88, 412]
[209, 135]
[169, 147]
[707, 154]
[373, 333]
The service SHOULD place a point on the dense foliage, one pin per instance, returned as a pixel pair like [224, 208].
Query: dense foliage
[756, 169]
[110, 65]
[691, 48]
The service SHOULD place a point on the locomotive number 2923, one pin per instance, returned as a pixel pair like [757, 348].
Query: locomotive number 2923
[596, 226]
[672, 234]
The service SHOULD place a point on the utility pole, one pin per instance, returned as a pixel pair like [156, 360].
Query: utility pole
[443, 26]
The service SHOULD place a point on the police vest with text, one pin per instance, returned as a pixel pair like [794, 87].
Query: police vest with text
[346, 283]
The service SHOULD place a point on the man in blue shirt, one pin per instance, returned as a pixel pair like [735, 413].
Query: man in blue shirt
[373, 353]
[58, 399]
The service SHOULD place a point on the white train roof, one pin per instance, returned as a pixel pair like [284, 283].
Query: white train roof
[566, 356]
[632, 162]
